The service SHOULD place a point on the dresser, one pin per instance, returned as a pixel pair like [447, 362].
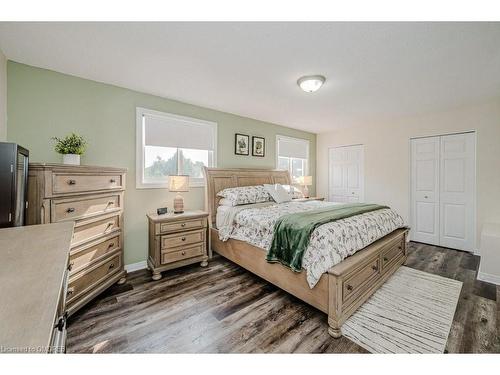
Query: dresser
[176, 240]
[92, 198]
[33, 292]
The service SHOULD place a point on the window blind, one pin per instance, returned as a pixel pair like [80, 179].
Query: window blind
[176, 132]
[293, 148]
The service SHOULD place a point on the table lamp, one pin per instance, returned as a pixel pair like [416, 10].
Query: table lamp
[305, 181]
[179, 184]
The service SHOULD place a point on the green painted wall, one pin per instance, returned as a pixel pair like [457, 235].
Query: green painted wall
[43, 103]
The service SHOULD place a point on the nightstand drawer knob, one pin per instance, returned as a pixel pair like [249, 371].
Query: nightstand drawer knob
[70, 210]
[71, 182]
[183, 225]
[183, 239]
[183, 253]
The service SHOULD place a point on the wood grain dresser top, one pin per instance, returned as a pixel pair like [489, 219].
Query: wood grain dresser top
[33, 263]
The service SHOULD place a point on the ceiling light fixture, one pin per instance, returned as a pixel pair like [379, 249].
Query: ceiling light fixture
[311, 83]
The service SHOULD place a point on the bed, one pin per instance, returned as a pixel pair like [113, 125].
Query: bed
[341, 289]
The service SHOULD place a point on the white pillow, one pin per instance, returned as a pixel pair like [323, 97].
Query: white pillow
[293, 191]
[278, 193]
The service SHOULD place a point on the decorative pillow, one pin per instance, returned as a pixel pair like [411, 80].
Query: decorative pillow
[293, 191]
[278, 193]
[244, 195]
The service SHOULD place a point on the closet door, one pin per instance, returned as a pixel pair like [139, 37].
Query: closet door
[425, 190]
[346, 174]
[457, 170]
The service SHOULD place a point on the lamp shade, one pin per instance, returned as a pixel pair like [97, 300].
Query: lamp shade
[178, 183]
[305, 180]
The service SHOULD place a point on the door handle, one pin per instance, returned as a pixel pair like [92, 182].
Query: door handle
[426, 196]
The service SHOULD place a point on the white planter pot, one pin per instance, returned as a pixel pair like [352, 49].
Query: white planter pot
[72, 159]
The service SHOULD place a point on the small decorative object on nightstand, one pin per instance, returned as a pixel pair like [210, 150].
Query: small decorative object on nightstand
[176, 240]
[305, 181]
[178, 184]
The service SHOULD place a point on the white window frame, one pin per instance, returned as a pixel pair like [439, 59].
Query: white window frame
[306, 143]
[140, 147]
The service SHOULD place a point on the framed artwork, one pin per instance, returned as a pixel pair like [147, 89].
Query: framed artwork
[258, 146]
[241, 144]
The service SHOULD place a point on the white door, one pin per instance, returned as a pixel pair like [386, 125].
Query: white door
[457, 178]
[442, 190]
[425, 190]
[346, 173]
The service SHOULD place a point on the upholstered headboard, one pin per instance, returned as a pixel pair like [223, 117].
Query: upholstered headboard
[218, 179]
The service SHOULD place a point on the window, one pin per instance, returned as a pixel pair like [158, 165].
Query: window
[169, 145]
[292, 155]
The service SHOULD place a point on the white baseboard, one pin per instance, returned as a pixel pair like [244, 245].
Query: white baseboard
[136, 266]
[494, 279]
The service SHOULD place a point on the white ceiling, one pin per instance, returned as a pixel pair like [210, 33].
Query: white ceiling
[374, 70]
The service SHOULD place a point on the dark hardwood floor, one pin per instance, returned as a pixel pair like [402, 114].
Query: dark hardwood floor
[223, 309]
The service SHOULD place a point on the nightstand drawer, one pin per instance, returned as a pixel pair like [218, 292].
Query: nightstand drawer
[182, 239]
[182, 225]
[182, 253]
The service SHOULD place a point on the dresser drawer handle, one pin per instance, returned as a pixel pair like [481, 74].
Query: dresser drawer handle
[349, 287]
[112, 180]
[400, 247]
[183, 239]
[70, 210]
[110, 225]
[61, 323]
[386, 259]
[375, 268]
[111, 245]
[71, 182]
[183, 225]
[70, 266]
[183, 253]
[70, 291]
[111, 266]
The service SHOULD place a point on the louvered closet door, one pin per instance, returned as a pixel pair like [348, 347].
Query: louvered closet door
[457, 170]
[425, 190]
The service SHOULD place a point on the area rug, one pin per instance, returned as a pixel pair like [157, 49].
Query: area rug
[411, 313]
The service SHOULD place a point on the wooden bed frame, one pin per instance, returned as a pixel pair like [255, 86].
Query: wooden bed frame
[341, 290]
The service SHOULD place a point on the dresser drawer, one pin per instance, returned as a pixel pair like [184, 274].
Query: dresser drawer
[91, 229]
[82, 256]
[182, 239]
[181, 226]
[63, 183]
[85, 281]
[394, 251]
[182, 253]
[352, 284]
[78, 208]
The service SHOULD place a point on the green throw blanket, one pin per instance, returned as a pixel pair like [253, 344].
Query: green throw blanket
[292, 232]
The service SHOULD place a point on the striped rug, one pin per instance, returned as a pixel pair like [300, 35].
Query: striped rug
[411, 313]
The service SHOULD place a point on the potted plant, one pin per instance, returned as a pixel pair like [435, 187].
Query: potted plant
[71, 147]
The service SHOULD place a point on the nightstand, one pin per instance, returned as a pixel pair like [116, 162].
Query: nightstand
[176, 240]
[308, 199]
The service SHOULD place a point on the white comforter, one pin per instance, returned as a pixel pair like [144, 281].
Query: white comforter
[330, 243]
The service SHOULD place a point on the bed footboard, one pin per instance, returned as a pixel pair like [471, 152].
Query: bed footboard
[354, 280]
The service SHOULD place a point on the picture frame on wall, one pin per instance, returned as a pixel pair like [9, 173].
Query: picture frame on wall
[258, 146]
[241, 144]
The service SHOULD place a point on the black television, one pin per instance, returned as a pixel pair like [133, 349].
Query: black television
[13, 184]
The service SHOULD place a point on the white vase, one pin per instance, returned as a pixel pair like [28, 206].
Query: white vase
[72, 159]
